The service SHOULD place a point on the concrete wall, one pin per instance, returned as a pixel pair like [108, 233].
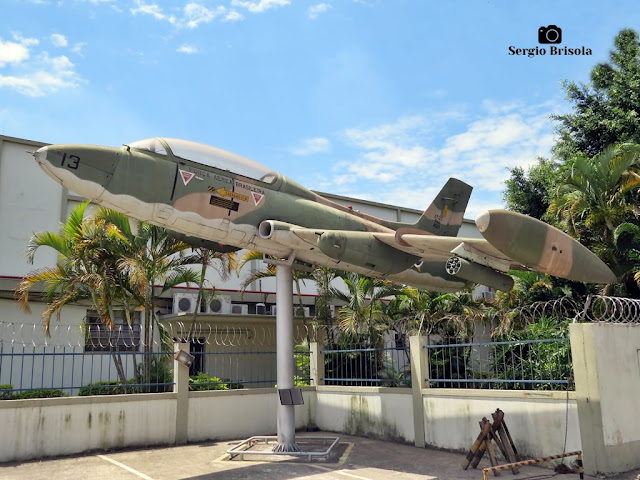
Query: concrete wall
[376, 412]
[536, 419]
[61, 426]
[241, 414]
[606, 361]
[29, 201]
[49, 427]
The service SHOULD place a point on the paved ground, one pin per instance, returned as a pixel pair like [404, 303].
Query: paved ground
[353, 458]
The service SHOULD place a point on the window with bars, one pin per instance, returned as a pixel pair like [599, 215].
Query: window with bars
[120, 336]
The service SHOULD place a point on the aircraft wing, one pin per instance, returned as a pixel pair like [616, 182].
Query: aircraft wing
[426, 246]
[511, 241]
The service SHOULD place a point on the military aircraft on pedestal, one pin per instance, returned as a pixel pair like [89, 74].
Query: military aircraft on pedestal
[213, 198]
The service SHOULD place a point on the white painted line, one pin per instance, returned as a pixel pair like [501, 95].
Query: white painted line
[125, 467]
[339, 472]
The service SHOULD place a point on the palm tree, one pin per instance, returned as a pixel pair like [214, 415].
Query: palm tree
[627, 242]
[223, 263]
[445, 314]
[145, 257]
[364, 312]
[596, 192]
[269, 271]
[102, 260]
[85, 270]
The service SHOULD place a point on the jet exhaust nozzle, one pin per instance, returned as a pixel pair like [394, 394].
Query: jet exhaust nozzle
[267, 228]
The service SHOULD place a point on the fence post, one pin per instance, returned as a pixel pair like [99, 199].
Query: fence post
[419, 374]
[181, 388]
[316, 363]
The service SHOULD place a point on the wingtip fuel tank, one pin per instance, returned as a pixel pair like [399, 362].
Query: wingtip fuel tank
[541, 247]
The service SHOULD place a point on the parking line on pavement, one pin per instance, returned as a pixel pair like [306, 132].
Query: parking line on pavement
[125, 467]
[339, 472]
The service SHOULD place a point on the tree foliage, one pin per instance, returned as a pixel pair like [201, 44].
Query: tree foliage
[607, 110]
[530, 192]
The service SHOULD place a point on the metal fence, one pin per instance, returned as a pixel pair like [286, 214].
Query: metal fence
[361, 365]
[513, 365]
[55, 371]
[226, 369]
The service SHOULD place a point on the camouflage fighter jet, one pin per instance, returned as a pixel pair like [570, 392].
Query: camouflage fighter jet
[213, 198]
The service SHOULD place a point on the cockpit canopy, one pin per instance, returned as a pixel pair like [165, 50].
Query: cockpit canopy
[206, 155]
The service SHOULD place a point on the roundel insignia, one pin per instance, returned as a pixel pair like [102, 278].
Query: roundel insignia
[186, 176]
[257, 197]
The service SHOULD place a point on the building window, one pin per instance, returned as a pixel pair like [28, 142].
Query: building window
[121, 336]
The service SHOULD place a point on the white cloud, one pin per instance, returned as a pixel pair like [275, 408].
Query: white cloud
[233, 16]
[44, 75]
[77, 47]
[26, 41]
[58, 40]
[389, 149]
[309, 146]
[188, 49]
[195, 14]
[315, 10]
[153, 10]
[12, 52]
[402, 162]
[259, 6]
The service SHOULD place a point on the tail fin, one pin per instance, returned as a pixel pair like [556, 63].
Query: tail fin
[444, 216]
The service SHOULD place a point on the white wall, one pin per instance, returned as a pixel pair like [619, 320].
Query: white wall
[29, 201]
[61, 426]
[536, 419]
[240, 414]
[47, 427]
[366, 411]
[606, 360]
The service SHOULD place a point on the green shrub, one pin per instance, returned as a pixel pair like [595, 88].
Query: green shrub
[202, 381]
[43, 393]
[113, 387]
[232, 385]
[6, 391]
[161, 375]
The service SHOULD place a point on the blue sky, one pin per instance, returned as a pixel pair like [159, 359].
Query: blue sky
[377, 99]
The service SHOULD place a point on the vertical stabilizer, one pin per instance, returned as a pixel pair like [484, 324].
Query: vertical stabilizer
[445, 214]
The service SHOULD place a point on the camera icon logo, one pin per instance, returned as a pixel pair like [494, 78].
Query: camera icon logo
[550, 34]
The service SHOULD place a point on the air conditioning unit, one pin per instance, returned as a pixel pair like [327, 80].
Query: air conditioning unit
[488, 295]
[184, 302]
[239, 309]
[261, 309]
[220, 304]
[273, 310]
[296, 311]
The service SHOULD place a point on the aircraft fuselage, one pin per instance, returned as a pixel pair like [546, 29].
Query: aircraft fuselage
[206, 201]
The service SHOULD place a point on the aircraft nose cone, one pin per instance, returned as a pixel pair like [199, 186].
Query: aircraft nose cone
[482, 221]
[41, 155]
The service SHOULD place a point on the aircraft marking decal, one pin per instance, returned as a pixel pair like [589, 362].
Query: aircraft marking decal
[227, 193]
[186, 176]
[223, 203]
[257, 197]
[444, 212]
